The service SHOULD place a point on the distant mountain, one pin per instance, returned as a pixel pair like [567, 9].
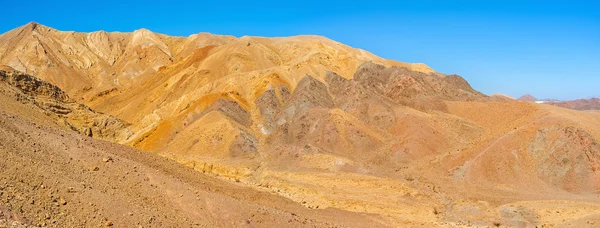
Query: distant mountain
[527, 97]
[579, 104]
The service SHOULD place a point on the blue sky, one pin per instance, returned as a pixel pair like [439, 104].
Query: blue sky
[550, 49]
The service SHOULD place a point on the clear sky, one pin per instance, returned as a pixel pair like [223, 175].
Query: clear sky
[550, 49]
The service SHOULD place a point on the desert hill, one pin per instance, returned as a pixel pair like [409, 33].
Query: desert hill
[527, 97]
[297, 125]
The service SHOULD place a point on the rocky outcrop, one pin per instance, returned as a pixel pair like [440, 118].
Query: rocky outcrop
[567, 157]
[309, 93]
[33, 86]
[232, 110]
[269, 104]
[361, 102]
[401, 86]
[55, 102]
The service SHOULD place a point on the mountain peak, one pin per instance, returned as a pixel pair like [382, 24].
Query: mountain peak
[143, 34]
[142, 30]
[32, 26]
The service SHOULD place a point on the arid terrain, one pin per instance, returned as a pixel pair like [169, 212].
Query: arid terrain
[144, 129]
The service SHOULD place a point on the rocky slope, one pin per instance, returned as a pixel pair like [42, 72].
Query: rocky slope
[54, 102]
